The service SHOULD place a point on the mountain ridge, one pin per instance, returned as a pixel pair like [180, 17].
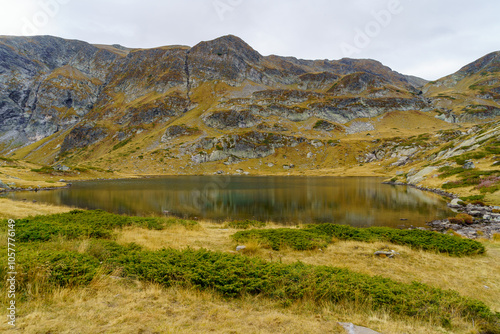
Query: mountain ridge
[68, 101]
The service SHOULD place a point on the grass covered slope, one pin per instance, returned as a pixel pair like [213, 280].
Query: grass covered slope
[57, 253]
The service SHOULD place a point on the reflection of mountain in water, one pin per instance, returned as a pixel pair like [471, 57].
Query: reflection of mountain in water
[355, 201]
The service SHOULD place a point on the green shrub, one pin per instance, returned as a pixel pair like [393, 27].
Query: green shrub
[121, 144]
[285, 237]
[472, 198]
[43, 170]
[417, 239]
[317, 236]
[91, 224]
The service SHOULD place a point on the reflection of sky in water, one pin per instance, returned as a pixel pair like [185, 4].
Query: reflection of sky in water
[355, 201]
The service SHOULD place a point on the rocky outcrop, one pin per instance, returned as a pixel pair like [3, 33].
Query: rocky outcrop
[157, 111]
[322, 125]
[250, 145]
[83, 136]
[357, 83]
[231, 119]
[176, 131]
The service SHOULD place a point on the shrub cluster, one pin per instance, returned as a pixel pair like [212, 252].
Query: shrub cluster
[297, 239]
[417, 239]
[91, 224]
[317, 236]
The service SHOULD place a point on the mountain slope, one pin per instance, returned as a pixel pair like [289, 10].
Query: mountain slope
[471, 94]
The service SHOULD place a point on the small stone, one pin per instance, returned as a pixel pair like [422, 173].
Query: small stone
[389, 254]
[238, 248]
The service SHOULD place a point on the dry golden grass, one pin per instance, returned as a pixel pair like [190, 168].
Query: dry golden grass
[209, 236]
[124, 306]
[17, 209]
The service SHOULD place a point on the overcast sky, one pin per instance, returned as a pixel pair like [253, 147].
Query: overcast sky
[425, 38]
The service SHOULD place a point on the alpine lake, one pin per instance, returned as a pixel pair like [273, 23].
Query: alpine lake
[288, 200]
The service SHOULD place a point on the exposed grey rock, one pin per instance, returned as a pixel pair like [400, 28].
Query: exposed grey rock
[350, 328]
[3, 185]
[421, 175]
[61, 168]
[83, 136]
[316, 143]
[469, 164]
[401, 161]
[455, 203]
[238, 248]
[356, 127]
[231, 119]
[389, 254]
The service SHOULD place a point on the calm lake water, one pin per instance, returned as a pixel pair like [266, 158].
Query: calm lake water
[357, 201]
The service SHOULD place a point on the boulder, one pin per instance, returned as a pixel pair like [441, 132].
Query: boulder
[469, 164]
[455, 203]
[418, 177]
[61, 168]
[350, 328]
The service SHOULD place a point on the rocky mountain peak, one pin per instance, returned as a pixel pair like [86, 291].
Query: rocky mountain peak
[228, 45]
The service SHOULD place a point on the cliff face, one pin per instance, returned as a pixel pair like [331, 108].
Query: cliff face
[65, 99]
[47, 84]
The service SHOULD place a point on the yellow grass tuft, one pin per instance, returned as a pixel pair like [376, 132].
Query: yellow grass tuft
[10, 209]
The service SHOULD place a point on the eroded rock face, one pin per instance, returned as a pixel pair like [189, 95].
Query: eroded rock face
[175, 131]
[231, 119]
[250, 145]
[83, 136]
[47, 84]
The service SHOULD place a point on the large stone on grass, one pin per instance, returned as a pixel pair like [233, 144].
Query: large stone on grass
[469, 164]
[350, 328]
